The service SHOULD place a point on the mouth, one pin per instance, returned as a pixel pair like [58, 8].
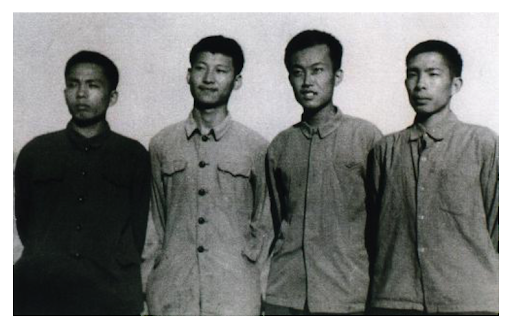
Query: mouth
[82, 107]
[307, 94]
[207, 89]
[421, 100]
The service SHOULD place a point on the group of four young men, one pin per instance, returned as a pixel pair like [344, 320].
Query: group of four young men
[406, 224]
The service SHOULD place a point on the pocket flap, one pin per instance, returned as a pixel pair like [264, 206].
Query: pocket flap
[117, 176]
[43, 173]
[236, 168]
[172, 166]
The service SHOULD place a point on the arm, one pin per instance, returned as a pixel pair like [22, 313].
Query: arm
[157, 219]
[372, 182]
[373, 178]
[140, 200]
[260, 225]
[489, 179]
[22, 193]
[275, 194]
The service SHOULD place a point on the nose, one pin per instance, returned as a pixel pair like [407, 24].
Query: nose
[81, 91]
[208, 76]
[308, 79]
[421, 82]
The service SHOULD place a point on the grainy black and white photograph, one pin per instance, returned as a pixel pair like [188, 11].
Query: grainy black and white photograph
[255, 164]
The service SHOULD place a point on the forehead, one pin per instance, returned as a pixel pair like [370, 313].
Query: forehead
[311, 55]
[428, 60]
[87, 70]
[214, 59]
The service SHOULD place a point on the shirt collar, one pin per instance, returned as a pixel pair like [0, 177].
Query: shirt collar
[83, 142]
[324, 129]
[218, 131]
[437, 130]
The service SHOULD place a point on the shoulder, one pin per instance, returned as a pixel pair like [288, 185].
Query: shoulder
[481, 136]
[43, 144]
[362, 130]
[360, 124]
[389, 141]
[478, 132]
[249, 136]
[282, 138]
[129, 145]
[169, 133]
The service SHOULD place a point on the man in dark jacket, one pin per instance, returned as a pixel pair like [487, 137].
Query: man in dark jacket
[82, 199]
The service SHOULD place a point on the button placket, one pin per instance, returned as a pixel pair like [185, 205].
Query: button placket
[203, 182]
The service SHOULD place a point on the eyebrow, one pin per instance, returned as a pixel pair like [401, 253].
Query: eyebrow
[311, 65]
[92, 80]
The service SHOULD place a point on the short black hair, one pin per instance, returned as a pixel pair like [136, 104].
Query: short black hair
[221, 45]
[109, 68]
[450, 54]
[310, 38]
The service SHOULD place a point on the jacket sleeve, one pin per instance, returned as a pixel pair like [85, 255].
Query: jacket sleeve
[490, 190]
[140, 199]
[260, 225]
[373, 180]
[276, 196]
[22, 194]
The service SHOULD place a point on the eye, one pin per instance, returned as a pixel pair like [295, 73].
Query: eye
[297, 73]
[71, 84]
[411, 74]
[318, 70]
[222, 71]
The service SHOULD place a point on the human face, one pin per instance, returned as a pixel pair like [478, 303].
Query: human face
[212, 79]
[430, 84]
[87, 93]
[313, 78]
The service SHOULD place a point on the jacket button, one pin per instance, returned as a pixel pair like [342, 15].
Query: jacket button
[77, 255]
[202, 164]
[78, 227]
[200, 249]
[204, 138]
[201, 191]
[81, 199]
[83, 173]
[201, 220]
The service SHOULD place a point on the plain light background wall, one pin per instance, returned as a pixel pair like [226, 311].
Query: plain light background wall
[151, 51]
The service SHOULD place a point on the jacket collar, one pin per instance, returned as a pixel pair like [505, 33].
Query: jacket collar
[82, 142]
[436, 130]
[324, 129]
[218, 131]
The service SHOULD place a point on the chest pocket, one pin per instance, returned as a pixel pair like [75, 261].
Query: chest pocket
[118, 177]
[173, 175]
[233, 177]
[350, 174]
[46, 174]
[458, 187]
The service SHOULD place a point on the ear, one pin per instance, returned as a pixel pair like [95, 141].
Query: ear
[188, 76]
[338, 77]
[456, 85]
[113, 98]
[238, 82]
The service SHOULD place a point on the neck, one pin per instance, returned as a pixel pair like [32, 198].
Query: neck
[316, 117]
[208, 118]
[91, 130]
[431, 120]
